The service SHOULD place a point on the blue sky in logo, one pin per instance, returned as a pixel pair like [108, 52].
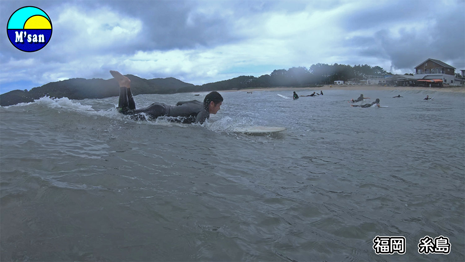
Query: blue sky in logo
[203, 41]
[18, 19]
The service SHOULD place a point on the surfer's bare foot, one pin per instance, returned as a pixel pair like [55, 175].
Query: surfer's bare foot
[123, 81]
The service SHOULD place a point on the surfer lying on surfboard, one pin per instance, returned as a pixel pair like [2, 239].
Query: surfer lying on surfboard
[185, 112]
[427, 97]
[360, 98]
[368, 105]
[314, 94]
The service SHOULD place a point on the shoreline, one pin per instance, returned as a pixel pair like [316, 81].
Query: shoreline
[458, 89]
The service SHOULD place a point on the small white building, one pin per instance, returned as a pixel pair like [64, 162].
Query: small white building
[338, 82]
[376, 80]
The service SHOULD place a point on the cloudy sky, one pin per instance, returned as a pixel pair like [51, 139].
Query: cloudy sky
[202, 41]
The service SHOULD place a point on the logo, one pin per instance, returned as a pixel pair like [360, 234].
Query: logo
[29, 29]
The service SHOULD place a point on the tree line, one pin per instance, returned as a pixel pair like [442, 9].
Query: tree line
[79, 88]
[315, 75]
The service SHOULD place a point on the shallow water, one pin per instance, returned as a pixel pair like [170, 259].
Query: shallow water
[81, 182]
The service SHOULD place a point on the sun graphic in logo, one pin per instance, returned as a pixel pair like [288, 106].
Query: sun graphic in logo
[29, 29]
[37, 22]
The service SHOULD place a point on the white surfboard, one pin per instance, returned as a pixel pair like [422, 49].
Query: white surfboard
[286, 97]
[258, 130]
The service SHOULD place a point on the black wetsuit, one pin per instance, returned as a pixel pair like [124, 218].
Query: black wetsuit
[367, 105]
[360, 98]
[185, 112]
[295, 96]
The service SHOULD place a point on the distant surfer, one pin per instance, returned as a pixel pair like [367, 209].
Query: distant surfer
[427, 97]
[313, 94]
[368, 105]
[396, 96]
[321, 92]
[185, 112]
[295, 96]
[360, 98]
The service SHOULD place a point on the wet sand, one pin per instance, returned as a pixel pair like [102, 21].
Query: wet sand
[460, 89]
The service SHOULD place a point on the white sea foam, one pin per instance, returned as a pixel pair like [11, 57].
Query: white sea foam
[53, 181]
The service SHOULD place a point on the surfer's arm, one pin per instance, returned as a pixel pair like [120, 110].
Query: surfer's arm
[202, 116]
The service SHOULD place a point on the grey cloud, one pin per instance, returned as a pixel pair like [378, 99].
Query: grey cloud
[406, 48]
[384, 14]
[366, 46]
[406, 51]
[444, 41]
[170, 25]
[165, 27]
[179, 25]
[165, 24]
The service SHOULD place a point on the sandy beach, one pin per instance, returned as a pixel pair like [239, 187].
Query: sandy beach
[460, 89]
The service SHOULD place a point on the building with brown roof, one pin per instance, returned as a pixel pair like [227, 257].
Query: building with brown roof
[433, 66]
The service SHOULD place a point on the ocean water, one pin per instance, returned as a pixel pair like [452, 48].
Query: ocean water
[80, 182]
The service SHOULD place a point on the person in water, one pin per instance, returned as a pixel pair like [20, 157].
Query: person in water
[427, 97]
[368, 105]
[313, 94]
[396, 96]
[360, 98]
[185, 112]
[295, 96]
[321, 92]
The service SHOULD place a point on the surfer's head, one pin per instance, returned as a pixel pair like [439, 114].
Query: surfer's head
[377, 101]
[212, 102]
